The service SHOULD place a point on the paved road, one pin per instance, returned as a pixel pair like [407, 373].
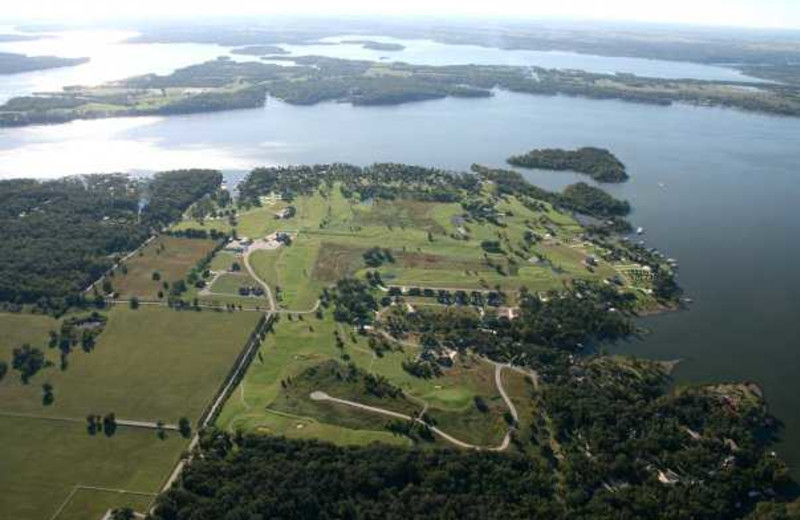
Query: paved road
[120, 422]
[322, 396]
[257, 246]
[235, 376]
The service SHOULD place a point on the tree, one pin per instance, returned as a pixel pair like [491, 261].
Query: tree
[156, 276]
[123, 513]
[93, 424]
[47, 394]
[28, 361]
[160, 432]
[134, 302]
[3, 369]
[110, 424]
[185, 427]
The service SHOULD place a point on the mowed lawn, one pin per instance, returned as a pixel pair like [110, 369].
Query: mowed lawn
[149, 364]
[262, 404]
[293, 347]
[171, 257]
[43, 460]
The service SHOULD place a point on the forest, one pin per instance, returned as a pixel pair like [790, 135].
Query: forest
[87, 221]
[599, 163]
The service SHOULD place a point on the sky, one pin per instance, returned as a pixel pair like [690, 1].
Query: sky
[740, 13]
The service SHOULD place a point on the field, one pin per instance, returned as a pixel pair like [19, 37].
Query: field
[432, 247]
[171, 257]
[264, 403]
[148, 365]
[335, 232]
[44, 460]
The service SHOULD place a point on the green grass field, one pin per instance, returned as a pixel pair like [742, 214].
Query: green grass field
[18, 329]
[149, 364]
[429, 249]
[43, 460]
[262, 403]
[171, 257]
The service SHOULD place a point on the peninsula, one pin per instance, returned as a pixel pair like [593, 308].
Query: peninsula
[599, 163]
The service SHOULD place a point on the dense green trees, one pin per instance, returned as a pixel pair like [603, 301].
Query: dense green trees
[270, 477]
[376, 256]
[28, 361]
[379, 181]
[594, 201]
[87, 221]
[598, 163]
[353, 302]
[579, 197]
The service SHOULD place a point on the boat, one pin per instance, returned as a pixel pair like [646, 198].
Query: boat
[640, 231]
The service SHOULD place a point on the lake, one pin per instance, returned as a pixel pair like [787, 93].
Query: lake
[715, 188]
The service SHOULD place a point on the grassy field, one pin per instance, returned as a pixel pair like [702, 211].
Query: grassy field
[171, 257]
[43, 460]
[18, 329]
[265, 402]
[148, 364]
[432, 247]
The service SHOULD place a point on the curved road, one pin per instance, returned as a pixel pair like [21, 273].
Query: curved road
[322, 396]
[251, 271]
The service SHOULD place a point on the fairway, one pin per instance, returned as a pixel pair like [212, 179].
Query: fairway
[262, 403]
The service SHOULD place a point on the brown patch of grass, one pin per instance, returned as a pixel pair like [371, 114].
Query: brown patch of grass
[400, 213]
[430, 261]
[336, 261]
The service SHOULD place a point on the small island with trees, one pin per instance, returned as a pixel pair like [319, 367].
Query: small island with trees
[599, 163]
[11, 63]
[377, 46]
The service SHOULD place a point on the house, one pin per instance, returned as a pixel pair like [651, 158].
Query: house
[286, 213]
[235, 246]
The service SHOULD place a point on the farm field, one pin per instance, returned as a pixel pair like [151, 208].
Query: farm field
[151, 364]
[171, 257]
[18, 329]
[43, 461]
[148, 364]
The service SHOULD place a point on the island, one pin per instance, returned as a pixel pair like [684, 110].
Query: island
[377, 46]
[599, 163]
[365, 336]
[11, 63]
[260, 50]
